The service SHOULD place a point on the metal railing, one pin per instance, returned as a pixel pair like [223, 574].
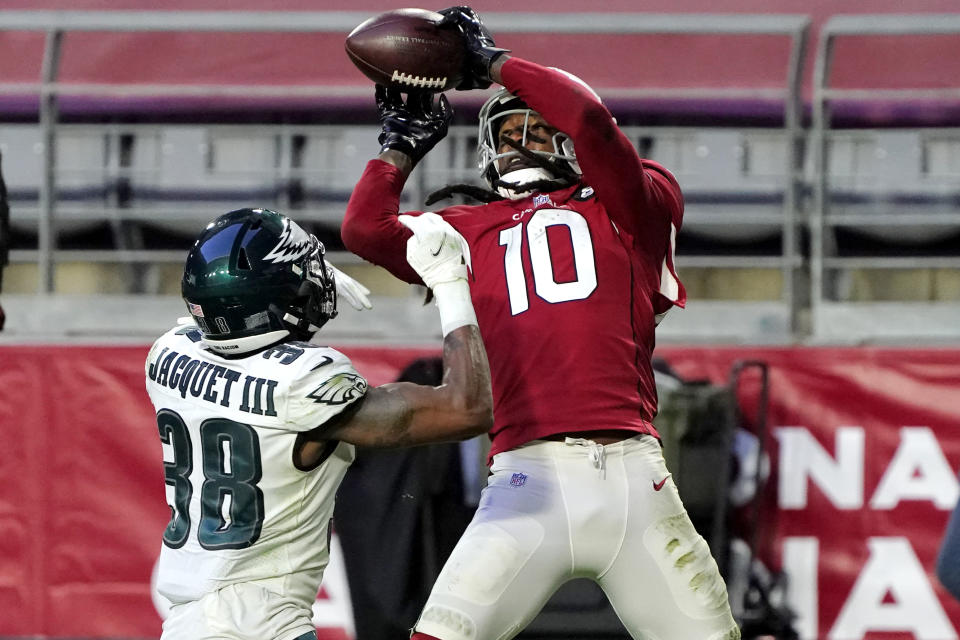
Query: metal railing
[828, 210]
[55, 24]
[878, 209]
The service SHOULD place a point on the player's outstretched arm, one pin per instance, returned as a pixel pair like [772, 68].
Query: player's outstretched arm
[403, 414]
[408, 130]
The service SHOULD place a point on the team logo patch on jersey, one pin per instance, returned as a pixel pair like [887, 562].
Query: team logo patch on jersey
[339, 389]
[518, 479]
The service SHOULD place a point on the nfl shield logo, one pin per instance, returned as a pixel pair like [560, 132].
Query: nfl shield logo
[541, 199]
[518, 479]
[195, 310]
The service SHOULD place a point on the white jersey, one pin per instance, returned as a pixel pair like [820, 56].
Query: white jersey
[240, 510]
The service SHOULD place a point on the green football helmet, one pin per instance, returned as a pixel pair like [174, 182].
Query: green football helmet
[254, 277]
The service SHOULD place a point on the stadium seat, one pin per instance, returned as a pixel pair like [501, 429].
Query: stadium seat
[900, 186]
[84, 183]
[182, 176]
[733, 181]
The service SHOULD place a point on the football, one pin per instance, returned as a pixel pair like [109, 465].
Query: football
[406, 49]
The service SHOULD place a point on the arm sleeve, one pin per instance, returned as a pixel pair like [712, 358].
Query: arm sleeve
[640, 197]
[370, 228]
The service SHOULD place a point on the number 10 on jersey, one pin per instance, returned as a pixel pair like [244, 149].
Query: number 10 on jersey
[544, 280]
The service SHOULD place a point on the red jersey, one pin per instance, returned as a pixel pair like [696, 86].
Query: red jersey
[567, 285]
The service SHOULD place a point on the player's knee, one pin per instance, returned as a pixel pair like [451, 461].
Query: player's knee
[446, 623]
[690, 570]
[487, 561]
[733, 633]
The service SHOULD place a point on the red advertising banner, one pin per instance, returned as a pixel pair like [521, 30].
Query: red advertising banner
[865, 446]
[82, 503]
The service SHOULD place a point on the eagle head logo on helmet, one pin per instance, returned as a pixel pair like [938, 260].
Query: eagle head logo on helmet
[294, 243]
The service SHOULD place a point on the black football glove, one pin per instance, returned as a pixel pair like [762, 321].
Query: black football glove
[481, 49]
[412, 127]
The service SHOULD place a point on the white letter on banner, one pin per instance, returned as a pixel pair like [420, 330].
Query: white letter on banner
[802, 457]
[892, 569]
[918, 471]
[800, 558]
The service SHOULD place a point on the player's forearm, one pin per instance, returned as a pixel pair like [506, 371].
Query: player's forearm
[460, 408]
[403, 414]
[370, 228]
[467, 377]
[400, 160]
[467, 396]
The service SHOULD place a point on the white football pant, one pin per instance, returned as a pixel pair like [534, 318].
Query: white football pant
[554, 511]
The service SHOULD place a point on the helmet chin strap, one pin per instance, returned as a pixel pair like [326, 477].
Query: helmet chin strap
[519, 178]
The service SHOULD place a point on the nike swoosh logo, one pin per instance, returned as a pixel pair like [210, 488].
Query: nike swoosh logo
[659, 485]
[437, 252]
[326, 360]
